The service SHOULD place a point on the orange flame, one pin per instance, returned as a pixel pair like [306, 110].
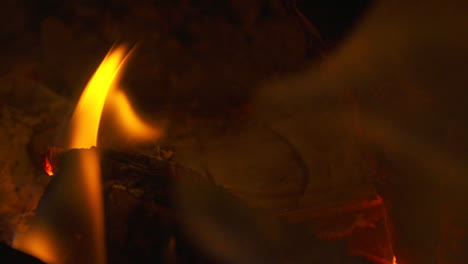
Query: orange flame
[87, 115]
[36, 243]
[128, 122]
[85, 125]
[91, 170]
[84, 133]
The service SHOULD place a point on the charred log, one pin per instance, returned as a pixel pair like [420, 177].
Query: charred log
[159, 211]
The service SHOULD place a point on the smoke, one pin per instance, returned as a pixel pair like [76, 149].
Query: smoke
[397, 84]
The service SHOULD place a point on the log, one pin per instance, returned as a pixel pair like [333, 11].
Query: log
[158, 211]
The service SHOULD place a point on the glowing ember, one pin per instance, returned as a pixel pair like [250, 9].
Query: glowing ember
[50, 159]
[91, 170]
[48, 167]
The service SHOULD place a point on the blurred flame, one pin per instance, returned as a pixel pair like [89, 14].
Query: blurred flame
[394, 260]
[128, 122]
[91, 171]
[36, 243]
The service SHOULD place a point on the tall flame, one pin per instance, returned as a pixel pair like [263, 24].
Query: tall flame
[81, 186]
[85, 125]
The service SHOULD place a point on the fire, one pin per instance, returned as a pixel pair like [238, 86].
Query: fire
[48, 168]
[91, 170]
[85, 125]
[87, 115]
[50, 159]
[36, 243]
[86, 187]
[128, 122]
[394, 260]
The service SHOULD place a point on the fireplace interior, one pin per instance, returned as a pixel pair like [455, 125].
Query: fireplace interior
[261, 131]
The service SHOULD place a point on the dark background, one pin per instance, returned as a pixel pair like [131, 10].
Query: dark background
[201, 55]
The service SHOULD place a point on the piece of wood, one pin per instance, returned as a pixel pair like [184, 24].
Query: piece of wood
[158, 211]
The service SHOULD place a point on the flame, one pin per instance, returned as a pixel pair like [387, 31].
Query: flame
[86, 187]
[48, 168]
[50, 160]
[87, 115]
[91, 171]
[36, 243]
[38, 240]
[85, 125]
[127, 120]
[394, 260]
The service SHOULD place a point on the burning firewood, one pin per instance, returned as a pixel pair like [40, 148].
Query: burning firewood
[158, 211]
[153, 203]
